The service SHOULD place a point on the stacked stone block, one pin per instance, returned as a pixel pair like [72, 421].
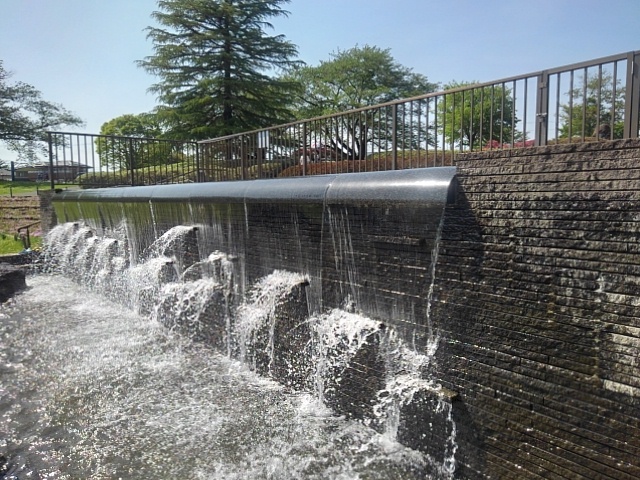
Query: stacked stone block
[537, 301]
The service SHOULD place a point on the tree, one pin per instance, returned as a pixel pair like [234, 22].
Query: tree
[137, 144]
[25, 117]
[214, 59]
[355, 78]
[143, 125]
[476, 117]
[594, 104]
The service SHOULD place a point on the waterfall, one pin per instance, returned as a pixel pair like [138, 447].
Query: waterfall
[356, 365]
[323, 284]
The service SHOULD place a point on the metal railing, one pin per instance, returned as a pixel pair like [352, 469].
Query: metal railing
[105, 161]
[589, 101]
[25, 235]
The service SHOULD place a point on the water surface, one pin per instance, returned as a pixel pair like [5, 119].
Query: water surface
[89, 389]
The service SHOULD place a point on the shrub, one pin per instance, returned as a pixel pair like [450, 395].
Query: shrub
[375, 162]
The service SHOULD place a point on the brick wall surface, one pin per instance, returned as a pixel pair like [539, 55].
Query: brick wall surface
[538, 304]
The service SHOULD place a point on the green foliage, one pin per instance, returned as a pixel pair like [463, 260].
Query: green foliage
[211, 171]
[214, 59]
[355, 78]
[12, 243]
[136, 146]
[9, 244]
[477, 117]
[592, 105]
[144, 125]
[25, 117]
[180, 172]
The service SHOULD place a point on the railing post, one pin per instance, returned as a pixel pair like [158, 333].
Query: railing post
[257, 154]
[394, 137]
[632, 97]
[131, 163]
[304, 149]
[542, 110]
[198, 170]
[50, 141]
[243, 159]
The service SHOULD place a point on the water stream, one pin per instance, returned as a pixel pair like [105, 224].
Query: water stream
[108, 377]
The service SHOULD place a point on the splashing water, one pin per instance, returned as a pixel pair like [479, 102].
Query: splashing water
[92, 390]
[339, 335]
[260, 308]
[123, 396]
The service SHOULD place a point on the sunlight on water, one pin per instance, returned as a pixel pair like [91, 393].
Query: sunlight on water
[123, 376]
[90, 389]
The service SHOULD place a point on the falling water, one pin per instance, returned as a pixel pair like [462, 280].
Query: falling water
[108, 377]
[432, 341]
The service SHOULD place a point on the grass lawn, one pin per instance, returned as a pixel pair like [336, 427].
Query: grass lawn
[8, 244]
[21, 188]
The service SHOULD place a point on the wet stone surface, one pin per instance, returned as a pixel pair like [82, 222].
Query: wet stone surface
[92, 390]
[12, 281]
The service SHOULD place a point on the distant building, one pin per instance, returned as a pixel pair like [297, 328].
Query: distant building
[66, 172]
[5, 174]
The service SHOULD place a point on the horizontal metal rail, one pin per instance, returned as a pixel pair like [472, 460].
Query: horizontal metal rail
[104, 161]
[588, 101]
[25, 235]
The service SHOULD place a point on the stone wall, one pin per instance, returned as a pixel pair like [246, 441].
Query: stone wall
[12, 281]
[537, 303]
[365, 241]
[47, 214]
[17, 212]
[535, 299]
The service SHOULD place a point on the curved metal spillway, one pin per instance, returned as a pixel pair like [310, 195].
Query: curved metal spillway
[430, 185]
[368, 240]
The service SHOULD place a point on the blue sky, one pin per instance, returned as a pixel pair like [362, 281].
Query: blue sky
[82, 53]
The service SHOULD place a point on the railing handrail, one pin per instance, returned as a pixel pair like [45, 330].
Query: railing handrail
[565, 68]
[561, 104]
[26, 237]
[122, 137]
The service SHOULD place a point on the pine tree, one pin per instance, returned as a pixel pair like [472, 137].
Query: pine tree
[217, 66]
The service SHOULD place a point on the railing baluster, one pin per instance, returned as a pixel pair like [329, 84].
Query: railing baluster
[394, 137]
[50, 141]
[466, 118]
[542, 110]
[632, 97]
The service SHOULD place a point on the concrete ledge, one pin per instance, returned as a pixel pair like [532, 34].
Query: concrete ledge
[18, 258]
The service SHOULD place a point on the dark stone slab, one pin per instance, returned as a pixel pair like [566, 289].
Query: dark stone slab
[12, 281]
[427, 423]
[353, 390]
[200, 319]
[281, 347]
[26, 258]
[292, 363]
